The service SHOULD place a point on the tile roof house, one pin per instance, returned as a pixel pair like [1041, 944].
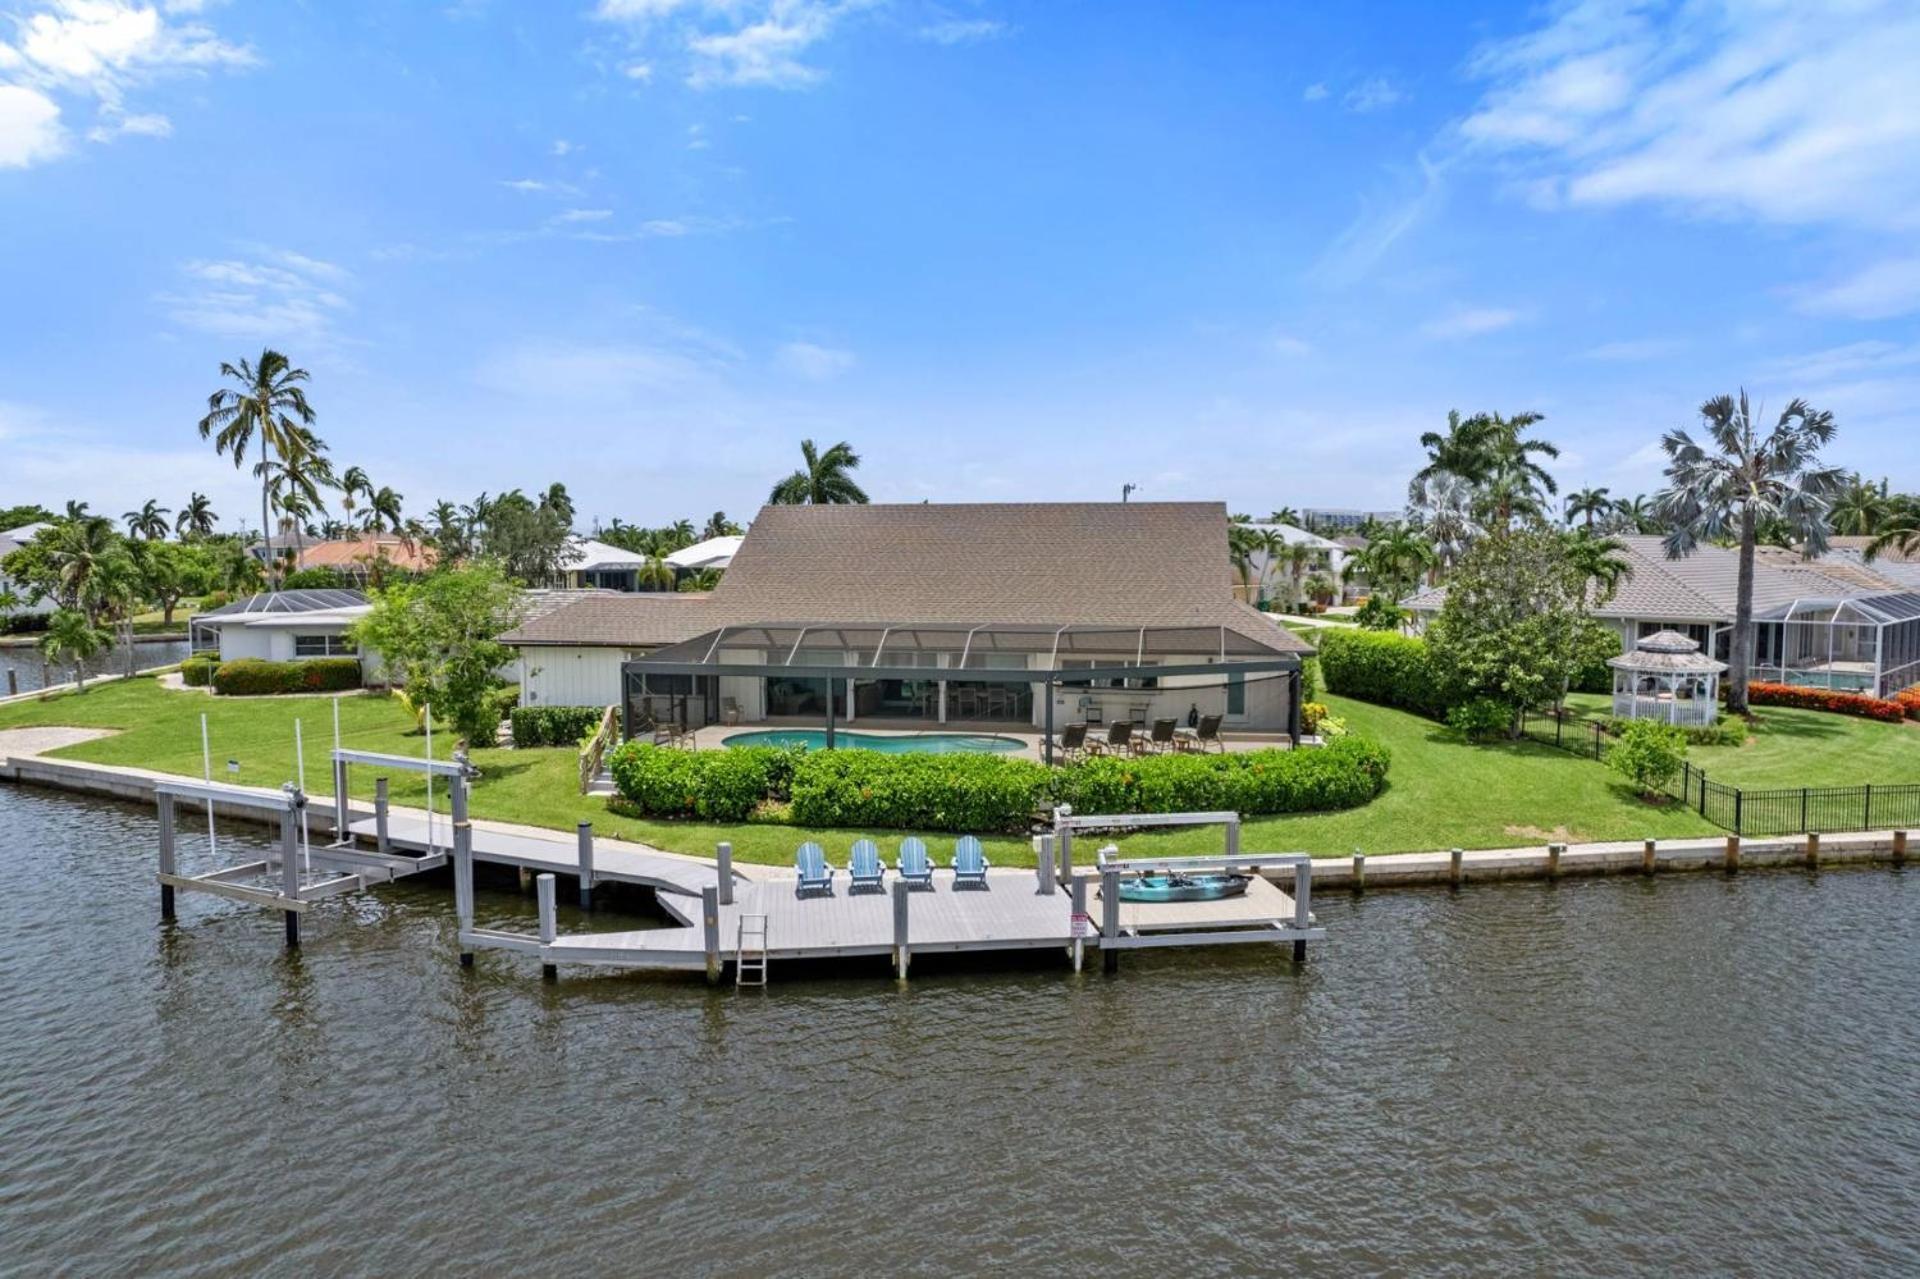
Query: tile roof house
[1001, 586]
[1834, 621]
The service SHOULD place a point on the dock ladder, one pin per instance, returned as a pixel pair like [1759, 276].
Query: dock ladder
[750, 952]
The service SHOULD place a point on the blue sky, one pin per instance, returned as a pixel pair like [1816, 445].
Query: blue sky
[1010, 251]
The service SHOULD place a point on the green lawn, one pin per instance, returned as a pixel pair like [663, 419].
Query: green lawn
[1790, 747]
[1441, 793]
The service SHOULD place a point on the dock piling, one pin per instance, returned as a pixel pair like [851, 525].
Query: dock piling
[585, 834]
[1899, 847]
[1454, 872]
[1043, 864]
[1733, 854]
[1647, 858]
[168, 865]
[723, 859]
[462, 867]
[710, 925]
[1813, 850]
[342, 818]
[1109, 919]
[382, 837]
[1079, 947]
[1359, 871]
[1302, 907]
[900, 948]
[13, 682]
[290, 860]
[549, 926]
[1553, 859]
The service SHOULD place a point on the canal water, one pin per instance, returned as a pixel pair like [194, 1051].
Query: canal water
[1695, 1076]
[29, 667]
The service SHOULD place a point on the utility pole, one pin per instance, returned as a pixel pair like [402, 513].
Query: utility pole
[1126, 491]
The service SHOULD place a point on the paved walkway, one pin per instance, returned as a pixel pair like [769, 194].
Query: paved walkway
[34, 741]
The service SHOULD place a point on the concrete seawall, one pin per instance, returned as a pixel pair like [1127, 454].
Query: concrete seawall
[1386, 870]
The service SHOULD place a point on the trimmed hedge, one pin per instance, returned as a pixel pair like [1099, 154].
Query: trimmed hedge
[917, 791]
[985, 793]
[1382, 667]
[554, 725]
[1725, 732]
[197, 672]
[254, 677]
[1909, 699]
[1820, 699]
[1345, 773]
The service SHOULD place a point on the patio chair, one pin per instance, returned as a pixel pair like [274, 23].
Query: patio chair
[915, 866]
[1207, 736]
[1162, 737]
[1071, 745]
[864, 867]
[1138, 714]
[1118, 741]
[969, 863]
[730, 710]
[815, 875]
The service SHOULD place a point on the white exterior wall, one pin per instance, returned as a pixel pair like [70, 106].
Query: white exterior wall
[237, 642]
[557, 676]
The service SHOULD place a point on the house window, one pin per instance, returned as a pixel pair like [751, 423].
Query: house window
[323, 646]
[1085, 663]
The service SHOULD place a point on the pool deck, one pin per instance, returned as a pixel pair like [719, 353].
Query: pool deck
[713, 736]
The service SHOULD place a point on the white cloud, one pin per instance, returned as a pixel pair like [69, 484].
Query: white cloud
[585, 215]
[1381, 225]
[270, 295]
[29, 127]
[759, 43]
[1313, 93]
[539, 186]
[641, 71]
[1467, 322]
[1292, 347]
[1374, 94]
[962, 30]
[1879, 292]
[813, 362]
[592, 372]
[103, 50]
[563, 147]
[1784, 112]
[1850, 360]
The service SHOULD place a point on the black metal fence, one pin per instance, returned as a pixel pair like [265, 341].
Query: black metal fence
[1826, 810]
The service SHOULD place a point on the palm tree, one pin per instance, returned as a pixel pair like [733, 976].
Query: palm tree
[266, 401]
[1494, 457]
[1861, 508]
[149, 522]
[1898, 533]
[1395, 559]
[1299, 557]
[113, 591]
[383, 511]
[718, 525]
[76, 510]
[353, 482]
[1446, 519]
[556, 499]
[654, 574]
[1725, 487]
[826, 479]
[1601, 563]
[1243, 544]
[72, 637]
[1590, 502]
[77, 550]
[1635, 515]
[196, 518]
[1285, 515]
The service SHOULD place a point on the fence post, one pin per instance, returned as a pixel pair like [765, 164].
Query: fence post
[1598, 752]
[1647, 859]
[1558, 725]
[1739, 804]
[1866, 818]
[1803, 809]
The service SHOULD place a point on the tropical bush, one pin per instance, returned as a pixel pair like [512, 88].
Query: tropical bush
[1481, 717]
[1649, 754]
[723, 785]
[254, 677]
[24, 623]
[197, 672]
[1379, 613]
[322, 577]
[1727, 732]
[1342, 774]
[1594, 642]
[1909, 698]
[1312, 715]
[1392, 670]
[1820, 699]
[917, 791]
[554, 725]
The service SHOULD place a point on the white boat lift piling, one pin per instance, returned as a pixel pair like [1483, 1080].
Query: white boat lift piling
[247, 881]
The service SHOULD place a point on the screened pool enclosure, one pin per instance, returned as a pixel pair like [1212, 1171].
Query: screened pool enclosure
[1864, 644]
[918, 676]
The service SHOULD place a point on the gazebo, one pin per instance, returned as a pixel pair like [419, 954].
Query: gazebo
[1667, 677]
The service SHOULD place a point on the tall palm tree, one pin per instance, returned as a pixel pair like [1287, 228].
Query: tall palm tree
[353, 482]
[1601, 563]
[1898, 533]
[196, 518]
[557, 499]
[1446, 519]
[1243, 545]
[1738, 477]
[267, 401]
[1591, 503]
[1285, 515]
[1394, 560]
[78, 548]
[1495, 457]
[1861, 508]
[718, 525]
[826, 479]
[1634, 515]
[149, 522]
[383, 511]
[76, 510]
[71, 636]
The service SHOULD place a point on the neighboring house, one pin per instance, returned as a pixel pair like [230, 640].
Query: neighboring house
[285, 541]
[875, 611]
[357, 558]
[10, 541]
[598, 565]
[1327, 557]
[281, 626]
[1353, 578]
[1340, 519]
[1831, 622]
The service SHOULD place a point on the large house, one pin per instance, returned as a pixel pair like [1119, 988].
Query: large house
[1834, 621]
[596, 565]
[1013, 614]
[280, 626]
[10, 541]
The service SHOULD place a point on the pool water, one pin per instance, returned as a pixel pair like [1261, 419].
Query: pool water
[889, 744]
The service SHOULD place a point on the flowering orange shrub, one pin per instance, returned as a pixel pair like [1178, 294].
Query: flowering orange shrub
[1820, 699]
[1909, 699]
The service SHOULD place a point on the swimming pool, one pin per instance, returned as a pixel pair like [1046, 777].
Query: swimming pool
[902, 744]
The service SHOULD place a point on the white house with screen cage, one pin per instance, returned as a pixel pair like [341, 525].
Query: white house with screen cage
[281, 626]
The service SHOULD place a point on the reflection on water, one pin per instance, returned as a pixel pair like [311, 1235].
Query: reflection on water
[1695, 1075]
[31, 670]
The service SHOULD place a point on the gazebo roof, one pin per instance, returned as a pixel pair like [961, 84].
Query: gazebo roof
[1667, 653]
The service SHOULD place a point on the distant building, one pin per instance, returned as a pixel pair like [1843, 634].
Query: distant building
[1332, 519]
[10, 541]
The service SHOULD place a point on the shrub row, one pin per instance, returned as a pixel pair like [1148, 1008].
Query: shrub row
[1731, 731]
[1820, 699]
[1382, 667]
[24, 623]
[1345, 773]
[982, 793]
[197, 672]
[253, 677]
[1909, 699]
[554, 725]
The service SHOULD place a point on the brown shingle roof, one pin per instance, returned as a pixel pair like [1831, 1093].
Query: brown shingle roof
[610, 619]
[1047, 563]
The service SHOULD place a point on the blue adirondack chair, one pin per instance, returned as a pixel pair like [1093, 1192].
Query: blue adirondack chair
[915, 866]
[969, 862]
[864, 867]
[815, 874]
